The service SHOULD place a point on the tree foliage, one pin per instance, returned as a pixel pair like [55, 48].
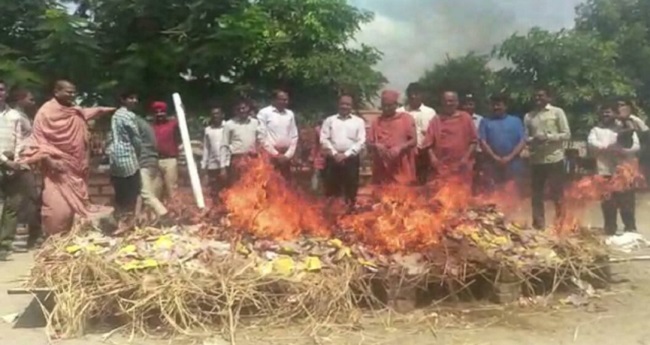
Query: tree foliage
[204, 49]
[465, 74]
[626, 24]
[579, 67]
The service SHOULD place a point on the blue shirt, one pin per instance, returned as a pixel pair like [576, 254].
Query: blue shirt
[503, 135]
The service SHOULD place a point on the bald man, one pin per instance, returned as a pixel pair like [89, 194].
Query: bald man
[451, 139]
[59, 141]
[392, 141]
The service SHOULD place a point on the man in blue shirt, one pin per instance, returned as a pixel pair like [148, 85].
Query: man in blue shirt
[502, 139]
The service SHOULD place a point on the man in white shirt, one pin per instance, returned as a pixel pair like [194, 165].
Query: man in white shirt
[11, 135]
[422, 116]
[22, 100]
[610, 151]
[342, 137]
[212, 162]
[279, 132]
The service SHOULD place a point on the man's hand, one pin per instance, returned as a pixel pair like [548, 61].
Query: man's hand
[106, 110]
[540, 138]
[394, 152]
[11, 165]
[340, 157]
[505, 160]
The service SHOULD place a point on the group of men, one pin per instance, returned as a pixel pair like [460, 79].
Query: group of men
[413, 145]
[143, 157]
[408, 145]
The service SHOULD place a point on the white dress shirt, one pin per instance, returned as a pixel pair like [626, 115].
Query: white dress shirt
[346, 135]
[601, 138]
[279, 130]
[422, 116]
[212, 154]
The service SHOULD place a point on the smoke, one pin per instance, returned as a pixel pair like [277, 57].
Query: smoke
[414, 35]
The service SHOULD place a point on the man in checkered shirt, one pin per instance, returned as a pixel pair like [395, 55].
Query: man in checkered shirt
[11, 135]
[123, 152]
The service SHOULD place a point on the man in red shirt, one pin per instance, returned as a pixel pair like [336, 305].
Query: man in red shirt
[167, 141]
[452, 139]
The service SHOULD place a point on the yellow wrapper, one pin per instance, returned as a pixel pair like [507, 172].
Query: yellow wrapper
[284, 265]
[312, 264]
[72, 249]
[164, 242]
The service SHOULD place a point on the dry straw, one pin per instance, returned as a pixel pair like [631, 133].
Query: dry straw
[230, 291]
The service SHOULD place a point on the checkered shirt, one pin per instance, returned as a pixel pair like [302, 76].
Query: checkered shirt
[124, 144]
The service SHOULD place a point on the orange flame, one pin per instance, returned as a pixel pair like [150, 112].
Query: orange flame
[395, 219]
[404, 219]
[596, 188]
[263, 204]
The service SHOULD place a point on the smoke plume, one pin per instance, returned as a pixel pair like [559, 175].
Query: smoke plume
[416, 34]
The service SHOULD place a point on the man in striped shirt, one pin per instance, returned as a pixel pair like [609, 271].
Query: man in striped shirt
[123, 152]
[11, 134]
[280, 132]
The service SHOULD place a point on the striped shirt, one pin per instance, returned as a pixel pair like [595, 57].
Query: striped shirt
[124, 144]
[11, 133]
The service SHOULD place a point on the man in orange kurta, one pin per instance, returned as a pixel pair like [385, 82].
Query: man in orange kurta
[451, 139]
[60, 143]
[392, 143]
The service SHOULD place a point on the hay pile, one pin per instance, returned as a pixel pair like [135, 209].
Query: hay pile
[177, 280]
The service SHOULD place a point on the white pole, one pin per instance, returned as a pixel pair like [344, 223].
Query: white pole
[187, 148]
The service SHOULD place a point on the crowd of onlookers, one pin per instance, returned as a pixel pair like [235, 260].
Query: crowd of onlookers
[408, 145]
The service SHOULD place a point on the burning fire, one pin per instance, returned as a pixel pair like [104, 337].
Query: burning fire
[596, 188]
[401, 219]
[263, 204]
[394, 219]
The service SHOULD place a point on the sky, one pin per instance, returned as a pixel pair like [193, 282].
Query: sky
[414, 35]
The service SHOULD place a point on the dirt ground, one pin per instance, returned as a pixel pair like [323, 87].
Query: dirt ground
[620, 315]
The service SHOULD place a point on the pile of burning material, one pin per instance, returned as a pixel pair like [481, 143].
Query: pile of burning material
[273, 254]
[177, 281]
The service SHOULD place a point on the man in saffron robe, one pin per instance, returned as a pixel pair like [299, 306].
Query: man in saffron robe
[59, 141]
[392, 143]
[452, 139]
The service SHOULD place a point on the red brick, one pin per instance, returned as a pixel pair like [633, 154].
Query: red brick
[99, 179]
[101, 200]
[107, 190]
[93, 190]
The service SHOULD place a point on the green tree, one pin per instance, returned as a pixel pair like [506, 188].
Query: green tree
[235, 46]
[200, 48]
[626, 24]
[465, 74]
[578, 67]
